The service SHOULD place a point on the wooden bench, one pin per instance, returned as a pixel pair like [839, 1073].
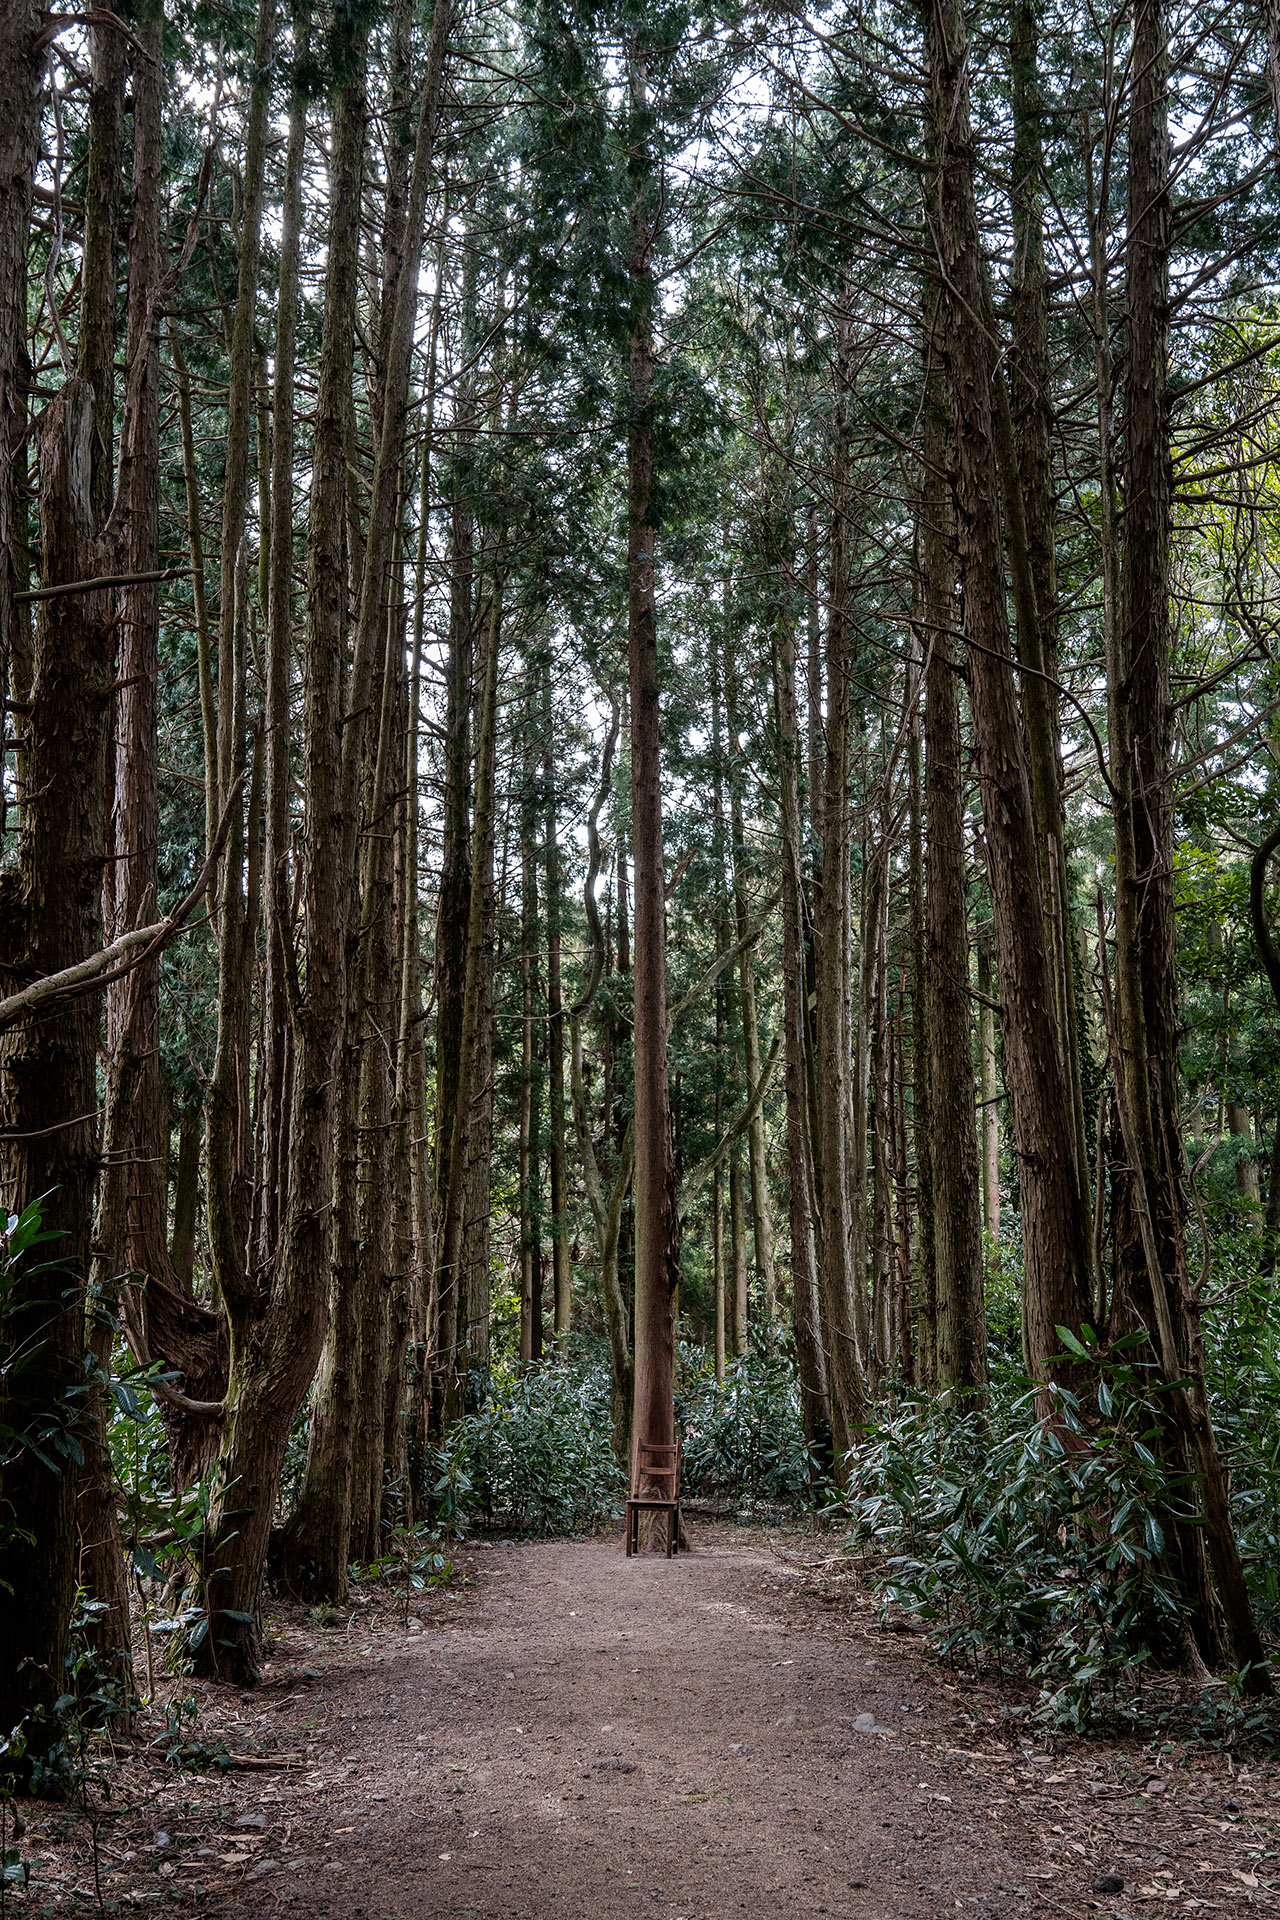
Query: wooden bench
[655, 1488]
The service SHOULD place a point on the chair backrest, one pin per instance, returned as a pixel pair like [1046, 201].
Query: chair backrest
[657, 1462]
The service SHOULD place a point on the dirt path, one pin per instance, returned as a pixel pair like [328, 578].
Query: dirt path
[596, 1737]
[569, 1735]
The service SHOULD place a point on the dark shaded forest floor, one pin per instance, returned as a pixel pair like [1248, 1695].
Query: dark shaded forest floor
[567, 1735]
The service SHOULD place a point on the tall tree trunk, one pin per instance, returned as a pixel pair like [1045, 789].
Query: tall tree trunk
[277, 1028]
[477, 1227]
[880, 1138]
[347, 1427]
[132, 1233]
[277, 1332]
[454, 1223]
[737, 1336]
[378, 1003]
[227, 1106]
[761, 1209]
[961, 1332]
[845, 1356]
[96, 347]
[1152, 1282]
[607, 1210]
[657, 1226]
[1028, 480]
[412, 1142]
[101, 1569]
[22, 71]
[815, 1406]
[453, 903]
[988, 1089]
[562, 1268]
[52, 907]
[530, 1222]
[926, 1278]
[1053, 1210]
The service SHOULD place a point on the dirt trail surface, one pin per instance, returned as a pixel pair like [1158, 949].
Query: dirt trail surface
[576, 1736]
[603, 1737]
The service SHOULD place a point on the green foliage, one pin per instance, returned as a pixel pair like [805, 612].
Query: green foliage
[744, 1440]
[412, 1559]
[180, 1746]
[1034, 1545]
[1242, 1366]
[535, 1457]
[1002, 1288]
[51, 1430]
[164, 1526]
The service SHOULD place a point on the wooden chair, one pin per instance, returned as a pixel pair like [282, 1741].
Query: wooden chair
[657, 1471]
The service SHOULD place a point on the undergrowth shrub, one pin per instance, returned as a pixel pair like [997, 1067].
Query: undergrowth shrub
[1242, 1368]
[743, 1440]
[536, 1456]
[1033, 1547]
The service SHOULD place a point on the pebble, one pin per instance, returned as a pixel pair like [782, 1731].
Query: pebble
[1108, 1883]
[263, 1868]
[867, 1723]
[251, 1822]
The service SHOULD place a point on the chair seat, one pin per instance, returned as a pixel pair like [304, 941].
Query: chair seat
[660, 1465]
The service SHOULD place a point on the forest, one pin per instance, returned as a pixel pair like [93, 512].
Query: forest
[640, 651]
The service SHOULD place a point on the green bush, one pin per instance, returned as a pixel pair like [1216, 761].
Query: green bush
[1242, 1366]
[536, 1456]
[744, 1440]
[1032, 1546]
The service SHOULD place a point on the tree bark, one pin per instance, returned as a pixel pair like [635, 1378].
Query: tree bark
[736, 1333]
[530, 1221]
[453, 903]
[815, 1404]
[131, 1225]
[1028, 475]
[22, 72]
[607, 1210]
[961, 1332]
[761, 1209]
[1053, 1212]
[925, 1292]
[562, 1268]
[51, 917]
[453, 1229]
[657, 1226]
[277, 1028]
[1152, 1282]
[278, 1332]
[988, 1089]
[839, 1277]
